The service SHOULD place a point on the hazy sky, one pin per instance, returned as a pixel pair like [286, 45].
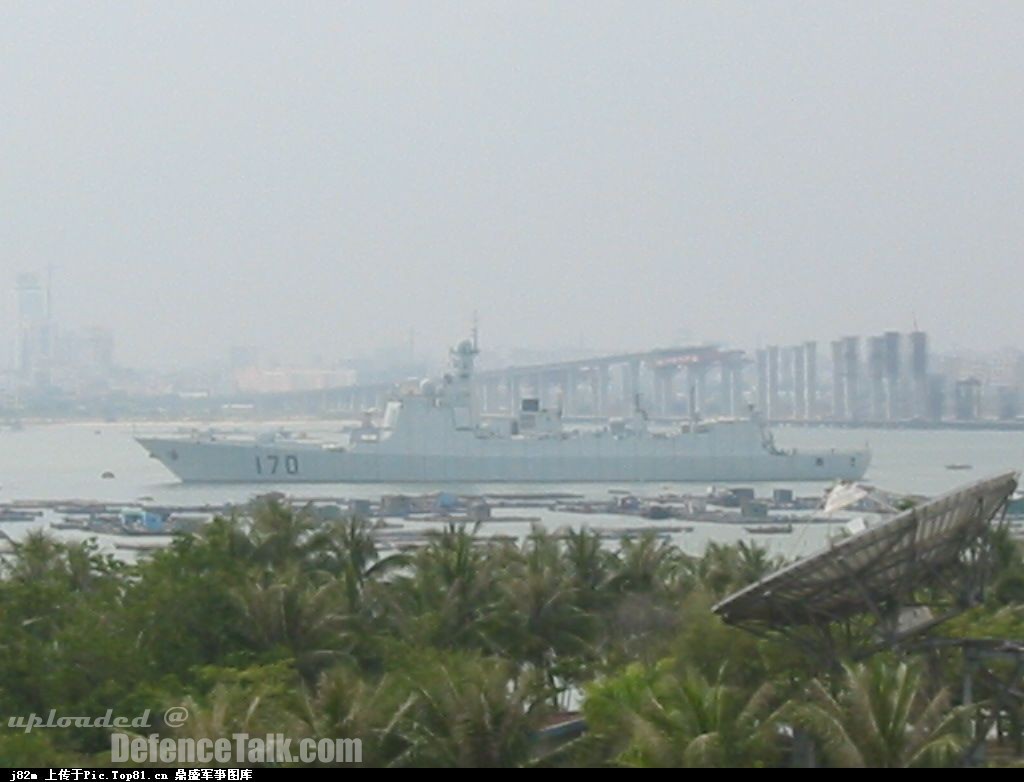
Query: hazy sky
[320, 176]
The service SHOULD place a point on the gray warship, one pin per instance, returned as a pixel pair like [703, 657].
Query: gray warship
[432, 433]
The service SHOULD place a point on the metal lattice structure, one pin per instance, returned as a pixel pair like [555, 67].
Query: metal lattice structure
[889, 577]
[886, 587]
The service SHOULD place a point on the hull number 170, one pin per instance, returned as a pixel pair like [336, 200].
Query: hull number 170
[272, 464]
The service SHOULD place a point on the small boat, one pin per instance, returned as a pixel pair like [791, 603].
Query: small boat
[656, 512]
[9, 514]
[68, 524]
[140, 546]
[959, 466]
[770, 529]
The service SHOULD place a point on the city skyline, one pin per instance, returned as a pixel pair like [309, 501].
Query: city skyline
[888, 377]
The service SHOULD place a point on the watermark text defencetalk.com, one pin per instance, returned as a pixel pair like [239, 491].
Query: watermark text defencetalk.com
[239, 748]
[108, 720]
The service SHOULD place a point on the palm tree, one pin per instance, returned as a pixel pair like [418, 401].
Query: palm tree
[223, 535]
[281, 534]
[1007, 564]
[472, 712]
[670, 716]
[345, 704]
[754, 563]
[882, 718]
[59, 602]
[588, 563]
[294, 611]
[224, 711]
[646, 564]
[544, 625]
[348, 550]
[258, 700]
[49, 576]
[182, 608]
[36, 557]
[725, 568]
[448, 598]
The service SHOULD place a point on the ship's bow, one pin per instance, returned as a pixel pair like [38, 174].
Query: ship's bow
[165, 451]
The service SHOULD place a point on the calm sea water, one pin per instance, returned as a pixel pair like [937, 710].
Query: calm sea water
[66, 461]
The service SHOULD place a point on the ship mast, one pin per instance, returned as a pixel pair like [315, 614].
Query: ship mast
[459, 388]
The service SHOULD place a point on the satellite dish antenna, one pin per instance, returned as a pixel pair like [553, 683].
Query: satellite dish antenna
[880, 574]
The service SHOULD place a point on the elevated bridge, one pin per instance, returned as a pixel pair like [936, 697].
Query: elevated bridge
[673, 381]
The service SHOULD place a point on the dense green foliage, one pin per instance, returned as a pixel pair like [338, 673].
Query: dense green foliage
[454, 654]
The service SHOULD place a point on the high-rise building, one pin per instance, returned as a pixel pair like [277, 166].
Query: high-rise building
[799, 382]
[762, 382]
[838, 381]
[893, 372]
[811, 378]
[851, 376]
[1007, 403]
[967, 399]
[34, 349]
[935, 407]
[774, 411]
[919, 372]
[876, 376]
[97, 349]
